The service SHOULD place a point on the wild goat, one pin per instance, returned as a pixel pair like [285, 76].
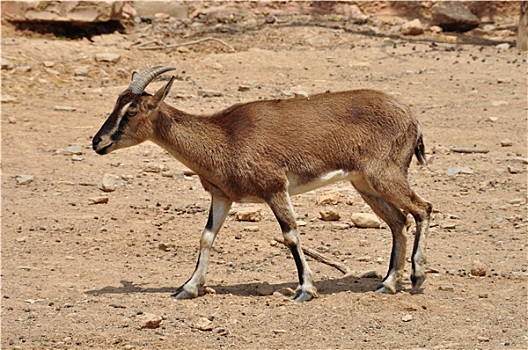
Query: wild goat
[268, 151]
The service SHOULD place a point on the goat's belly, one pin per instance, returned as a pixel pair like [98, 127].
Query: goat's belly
[297, 186]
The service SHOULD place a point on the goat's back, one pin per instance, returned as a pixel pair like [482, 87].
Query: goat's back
[339, 128]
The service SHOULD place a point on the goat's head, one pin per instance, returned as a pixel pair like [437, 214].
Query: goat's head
[130, 123]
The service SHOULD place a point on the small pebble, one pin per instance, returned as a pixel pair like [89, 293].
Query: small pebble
[203, 324]
[445, 288]
[98, 200]
[209, 93]
[24, 179]
[251, 229]
[74, 149]
[107, 57]
[478, 269]
[329, 215]
[150, 321]
[407, 318]
[464, 170]
[64, 108]
[514, 170]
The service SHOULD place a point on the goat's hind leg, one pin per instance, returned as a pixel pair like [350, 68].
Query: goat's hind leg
[396, 220]
[422, 215]
[217, 215]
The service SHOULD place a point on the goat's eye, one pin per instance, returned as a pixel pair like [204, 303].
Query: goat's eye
[130, 113]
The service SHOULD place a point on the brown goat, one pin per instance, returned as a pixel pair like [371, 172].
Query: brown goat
[267, 151]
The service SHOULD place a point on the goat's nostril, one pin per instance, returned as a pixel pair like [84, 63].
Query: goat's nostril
[95, 142]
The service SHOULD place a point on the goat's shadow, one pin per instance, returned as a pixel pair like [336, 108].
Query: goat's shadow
[330, 286]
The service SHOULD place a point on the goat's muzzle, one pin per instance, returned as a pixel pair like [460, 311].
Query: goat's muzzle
[101, 147]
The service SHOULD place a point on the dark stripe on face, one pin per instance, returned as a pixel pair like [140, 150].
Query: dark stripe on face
[122, 123]
[117, 117]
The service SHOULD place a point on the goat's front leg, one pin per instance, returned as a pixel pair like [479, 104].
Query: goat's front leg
[217, 215]
[281, 206]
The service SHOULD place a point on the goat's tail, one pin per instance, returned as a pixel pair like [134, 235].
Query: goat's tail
[419, 148]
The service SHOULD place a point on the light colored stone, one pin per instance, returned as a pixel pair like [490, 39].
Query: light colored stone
[77, 158]
[464, 170]
[295, 93]
[210, 93]
[98, 200]
[514, 170]
[82, 71]
[209, 290]
[5, 98]
[407, 318]
[506, 143]
[499, 103]
[329, 215]
[109, 182]
[62, 11]
[24, 179]
[107, 57]
[251, 229]
[249, 214]
[478, 269]
[152, 168]
[446, 288]
[435, 29]
[166, 246]
[73, 149]
[150, 321]
[366, 220]
[413, 27]
[64, 108]
[7, 64]
[503, 46]
[243, 87]
[148, 9]
[203, 324]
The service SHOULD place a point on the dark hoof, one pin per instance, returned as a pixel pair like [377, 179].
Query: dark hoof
[182, 294]
[417, 281]
[301, 295]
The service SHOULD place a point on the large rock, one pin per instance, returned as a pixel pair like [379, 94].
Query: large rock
[63, 11]
[147, 9]
[452, 16]
[366, 220]
[413, 27]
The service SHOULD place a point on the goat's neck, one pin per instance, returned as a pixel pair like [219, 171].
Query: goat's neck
[193, 140]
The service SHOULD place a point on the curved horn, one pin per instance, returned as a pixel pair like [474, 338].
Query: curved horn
[140, 82]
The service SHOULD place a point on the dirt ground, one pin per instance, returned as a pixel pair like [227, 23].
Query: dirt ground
[78, 275]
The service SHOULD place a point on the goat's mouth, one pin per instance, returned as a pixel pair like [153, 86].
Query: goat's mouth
[103, 150]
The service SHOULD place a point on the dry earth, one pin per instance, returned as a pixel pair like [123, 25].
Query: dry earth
[77, 275]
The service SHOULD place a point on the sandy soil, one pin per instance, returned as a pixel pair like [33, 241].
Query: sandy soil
[82, 275]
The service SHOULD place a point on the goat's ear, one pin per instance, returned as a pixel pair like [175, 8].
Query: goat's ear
[163, 92]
